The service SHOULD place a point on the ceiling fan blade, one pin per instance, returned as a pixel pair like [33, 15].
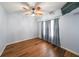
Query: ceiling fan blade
[25, 8]
[26, 4]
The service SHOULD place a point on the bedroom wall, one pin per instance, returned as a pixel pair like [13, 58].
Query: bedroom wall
[21, 27]
[3, 29]
[69, 31]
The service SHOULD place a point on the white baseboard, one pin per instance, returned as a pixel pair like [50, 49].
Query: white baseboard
[2, 50]
[0, 53]
[19, 41]
[70, 50]
[15, 42]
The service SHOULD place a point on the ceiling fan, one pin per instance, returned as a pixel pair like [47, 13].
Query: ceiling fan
[34, 10]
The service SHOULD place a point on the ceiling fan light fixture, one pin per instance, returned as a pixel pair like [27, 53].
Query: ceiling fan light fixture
[33, 11]
[33, 15]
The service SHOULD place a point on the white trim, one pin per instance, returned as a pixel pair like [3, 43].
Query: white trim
[15, 42]
[0, 53]
[70, 50]
[19, 41]
[2, 50]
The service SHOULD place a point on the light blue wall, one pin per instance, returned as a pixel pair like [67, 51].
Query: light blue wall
[21, 27]
[69, 31]
[3, 29]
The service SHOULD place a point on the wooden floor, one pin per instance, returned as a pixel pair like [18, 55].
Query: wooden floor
[35, 48]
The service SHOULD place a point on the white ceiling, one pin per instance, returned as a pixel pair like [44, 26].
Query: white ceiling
[46, 6]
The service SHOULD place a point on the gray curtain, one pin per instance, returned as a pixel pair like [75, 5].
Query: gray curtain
[46, 27]
[56, 38]
[46, 31]
[42, 29]
[51, 31]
